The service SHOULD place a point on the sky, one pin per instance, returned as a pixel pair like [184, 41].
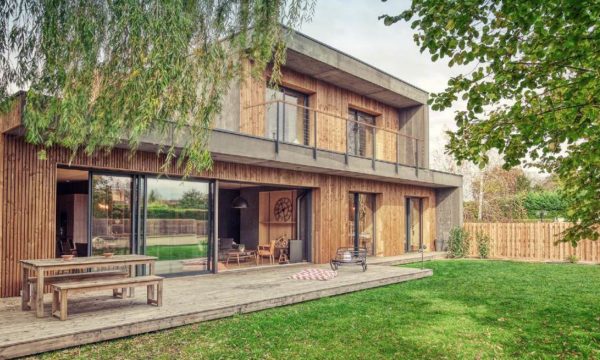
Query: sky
[352, 27]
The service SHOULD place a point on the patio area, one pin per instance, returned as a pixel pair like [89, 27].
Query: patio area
[97, 316]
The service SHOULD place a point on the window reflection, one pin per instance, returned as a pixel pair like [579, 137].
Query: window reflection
[111, 214]
[177, 224]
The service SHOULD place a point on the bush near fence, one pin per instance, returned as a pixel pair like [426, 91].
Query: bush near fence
[531, 241]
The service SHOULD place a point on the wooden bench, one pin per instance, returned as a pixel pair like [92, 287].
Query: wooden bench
[61, 290]
[52, 279]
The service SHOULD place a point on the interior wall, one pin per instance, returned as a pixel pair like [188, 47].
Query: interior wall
[229, 218]
[249, 218]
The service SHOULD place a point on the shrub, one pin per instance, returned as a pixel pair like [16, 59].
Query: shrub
[458, 243]
[483, 245]
[573, 259]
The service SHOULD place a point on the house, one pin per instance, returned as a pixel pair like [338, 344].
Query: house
[336, 156]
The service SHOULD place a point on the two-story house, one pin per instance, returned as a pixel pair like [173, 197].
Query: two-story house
[336, 156]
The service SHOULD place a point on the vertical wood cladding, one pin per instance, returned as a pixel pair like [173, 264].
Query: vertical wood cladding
[28, 212]
[331, 130]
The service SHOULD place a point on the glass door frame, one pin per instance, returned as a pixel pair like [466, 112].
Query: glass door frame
[211, 265]
[139, 214]
[135, 221]
[357, 203]
[408, 218]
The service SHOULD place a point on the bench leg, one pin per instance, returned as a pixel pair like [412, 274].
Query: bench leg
[150, 295]
[118, 293]
[159, 292]
[55, 301]
[63, 305]
[132, 273]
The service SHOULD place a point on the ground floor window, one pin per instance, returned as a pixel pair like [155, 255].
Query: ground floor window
[100, 213]
[190, 225]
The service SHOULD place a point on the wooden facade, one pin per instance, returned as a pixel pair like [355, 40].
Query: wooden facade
[398, 131]
[28, 191]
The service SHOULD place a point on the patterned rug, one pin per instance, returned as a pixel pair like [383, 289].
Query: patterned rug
[314, 274]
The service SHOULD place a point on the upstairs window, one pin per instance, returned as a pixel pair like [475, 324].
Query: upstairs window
[360, 133]
[288, 109]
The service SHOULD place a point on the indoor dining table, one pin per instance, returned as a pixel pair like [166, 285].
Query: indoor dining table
[42, 268]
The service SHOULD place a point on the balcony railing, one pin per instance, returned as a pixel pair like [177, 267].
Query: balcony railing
[287, 122]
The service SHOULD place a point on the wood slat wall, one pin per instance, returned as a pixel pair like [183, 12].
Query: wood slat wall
[331, 130]
[29, 205]
[531, 241]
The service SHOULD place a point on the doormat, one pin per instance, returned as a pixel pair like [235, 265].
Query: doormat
[314, 274]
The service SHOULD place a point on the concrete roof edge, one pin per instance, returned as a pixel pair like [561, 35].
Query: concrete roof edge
[295, 33]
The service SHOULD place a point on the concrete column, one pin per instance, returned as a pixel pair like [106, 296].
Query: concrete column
[449, 210]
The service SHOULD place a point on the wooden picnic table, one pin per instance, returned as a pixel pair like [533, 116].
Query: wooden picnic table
[42, 266]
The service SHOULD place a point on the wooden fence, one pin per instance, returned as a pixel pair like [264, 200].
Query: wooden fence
[531, 241]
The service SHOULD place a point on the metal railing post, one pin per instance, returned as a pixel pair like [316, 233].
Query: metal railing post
[315, 137]
[417, 157]
[374, 147]
[277, 129]
[346, 155]
[283, 121]
[397, 151]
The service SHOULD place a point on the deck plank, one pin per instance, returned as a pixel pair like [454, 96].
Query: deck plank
[97, 316]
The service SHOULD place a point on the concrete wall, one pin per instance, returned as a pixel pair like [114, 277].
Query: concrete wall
[449, 210]
[229, 118]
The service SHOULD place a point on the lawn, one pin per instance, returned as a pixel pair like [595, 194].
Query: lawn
[177, 252]
[468, 309]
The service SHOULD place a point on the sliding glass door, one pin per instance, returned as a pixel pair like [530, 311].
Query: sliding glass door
[166, 218]
[111, 214]
[178, 225]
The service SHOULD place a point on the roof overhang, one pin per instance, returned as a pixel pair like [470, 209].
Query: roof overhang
[311, 57]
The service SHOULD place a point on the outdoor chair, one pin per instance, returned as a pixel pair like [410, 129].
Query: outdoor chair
[267, 251]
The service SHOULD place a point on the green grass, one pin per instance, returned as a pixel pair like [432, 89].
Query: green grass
[177, 252]
[468, 309]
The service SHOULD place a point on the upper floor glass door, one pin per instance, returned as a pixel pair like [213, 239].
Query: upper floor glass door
[360, 133]
[287, 116]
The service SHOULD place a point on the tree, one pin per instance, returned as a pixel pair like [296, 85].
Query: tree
[98, 71]
[499, 196]
[193, 199]
[533, 92]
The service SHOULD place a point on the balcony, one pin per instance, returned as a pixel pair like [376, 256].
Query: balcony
[289, 123]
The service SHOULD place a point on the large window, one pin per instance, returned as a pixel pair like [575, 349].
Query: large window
[287, 117]
[360, 133]
[177, 224]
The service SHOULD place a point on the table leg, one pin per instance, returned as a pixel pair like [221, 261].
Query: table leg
[238, 259]
[25, 289]
[39, 293]
[151, 268]
[131, 274]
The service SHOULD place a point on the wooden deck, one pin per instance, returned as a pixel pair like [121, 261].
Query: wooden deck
[97, 316]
